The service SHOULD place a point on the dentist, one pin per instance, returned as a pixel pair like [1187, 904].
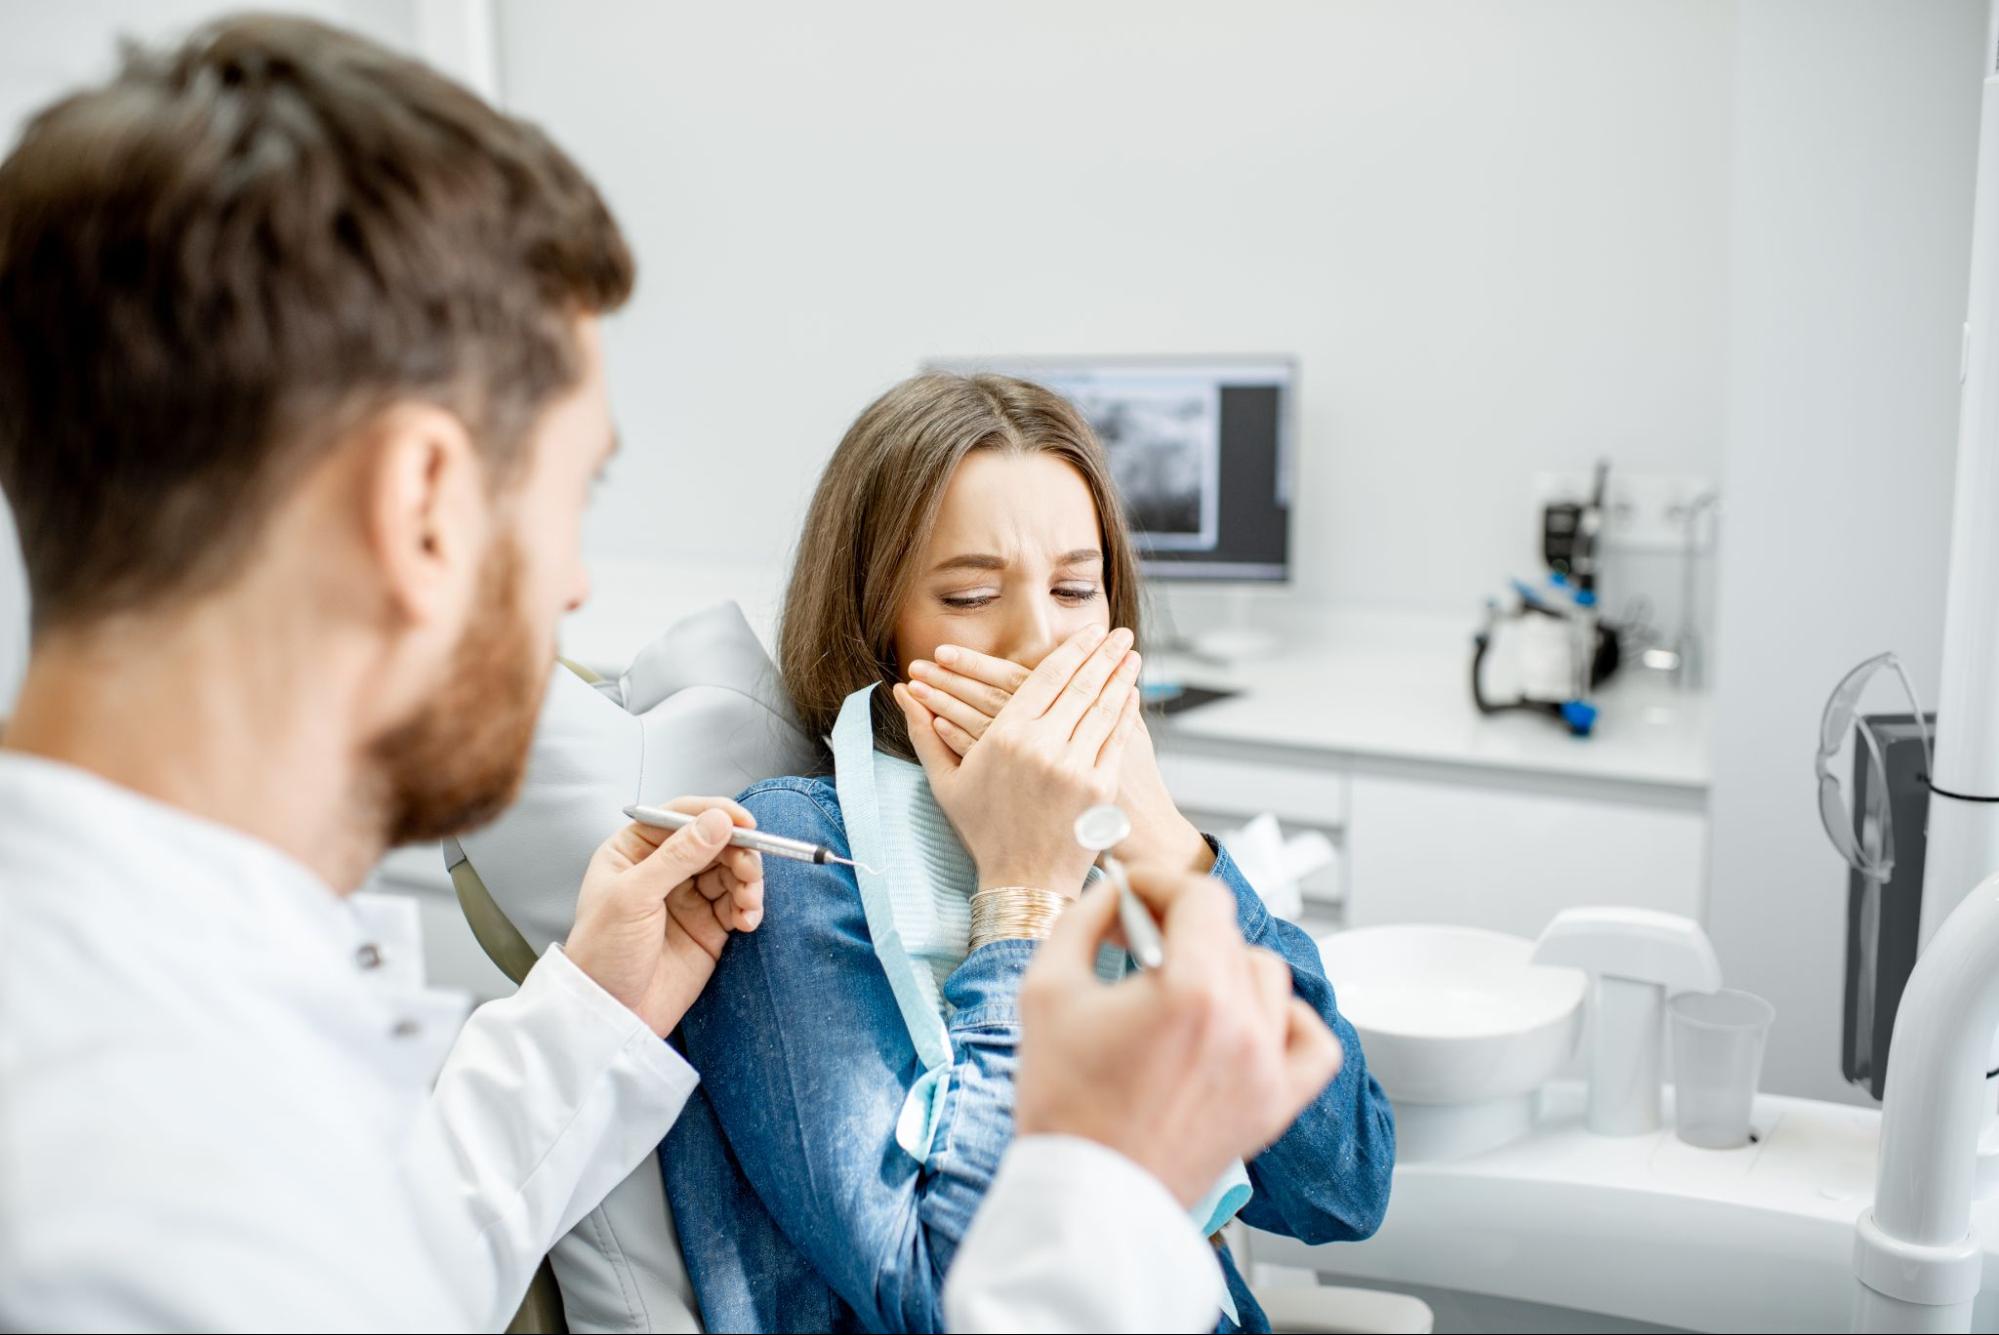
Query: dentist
[301, 395]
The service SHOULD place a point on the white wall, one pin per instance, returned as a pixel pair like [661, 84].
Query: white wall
[1855, 136]
[1496, 235]
[1502, 238]
[48, 49]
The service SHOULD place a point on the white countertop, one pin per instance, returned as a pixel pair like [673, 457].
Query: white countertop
[1346, 684]
[1398, 686]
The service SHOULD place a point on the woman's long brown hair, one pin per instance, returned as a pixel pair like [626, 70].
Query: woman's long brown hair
[872, 516]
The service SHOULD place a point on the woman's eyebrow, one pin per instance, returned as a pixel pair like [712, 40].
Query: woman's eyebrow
[970, 561]
[983, 561]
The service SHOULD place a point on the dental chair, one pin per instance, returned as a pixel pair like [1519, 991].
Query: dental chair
[700, 710]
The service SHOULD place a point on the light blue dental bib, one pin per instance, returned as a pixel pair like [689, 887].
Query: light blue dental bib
[916, 884]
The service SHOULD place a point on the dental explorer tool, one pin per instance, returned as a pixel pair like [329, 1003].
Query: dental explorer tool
[1100, 829]
[774, 845]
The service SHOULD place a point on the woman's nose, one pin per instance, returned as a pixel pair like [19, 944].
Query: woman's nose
[1031, 634]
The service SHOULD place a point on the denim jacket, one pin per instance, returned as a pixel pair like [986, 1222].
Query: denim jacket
[796, 1208]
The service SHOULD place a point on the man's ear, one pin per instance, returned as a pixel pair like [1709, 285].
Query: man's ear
[427, 511]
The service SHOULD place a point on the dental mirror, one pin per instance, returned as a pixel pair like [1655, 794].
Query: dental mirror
[1100, 829]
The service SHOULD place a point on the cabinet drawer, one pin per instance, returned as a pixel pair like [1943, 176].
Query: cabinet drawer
[1234, 787]
[1438, 852]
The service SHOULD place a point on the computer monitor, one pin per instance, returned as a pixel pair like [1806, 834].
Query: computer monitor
[1201, 448]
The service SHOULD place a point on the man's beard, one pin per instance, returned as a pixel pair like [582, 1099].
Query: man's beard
[458, 763]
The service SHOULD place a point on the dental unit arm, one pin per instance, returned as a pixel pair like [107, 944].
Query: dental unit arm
[1636, 960]
[1917, 1259]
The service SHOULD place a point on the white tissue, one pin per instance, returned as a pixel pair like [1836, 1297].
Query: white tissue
[1276, 865]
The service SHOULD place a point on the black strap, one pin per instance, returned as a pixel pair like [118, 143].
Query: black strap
[1960, 797]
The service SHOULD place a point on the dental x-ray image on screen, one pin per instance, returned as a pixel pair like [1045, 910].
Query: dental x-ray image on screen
[1200, 450]
[1164, 437]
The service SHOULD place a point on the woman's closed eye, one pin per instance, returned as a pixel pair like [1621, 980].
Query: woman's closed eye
[967, 599]
[1074, 593]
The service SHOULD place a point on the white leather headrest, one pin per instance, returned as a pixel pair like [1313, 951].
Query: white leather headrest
[700, 710]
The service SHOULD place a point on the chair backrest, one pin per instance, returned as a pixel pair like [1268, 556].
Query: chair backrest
[700, 710]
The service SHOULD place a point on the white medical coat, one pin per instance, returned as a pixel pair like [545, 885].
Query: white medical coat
[228, 1102]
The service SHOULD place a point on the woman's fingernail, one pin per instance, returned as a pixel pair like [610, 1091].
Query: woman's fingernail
[919, 667]
[947, 653]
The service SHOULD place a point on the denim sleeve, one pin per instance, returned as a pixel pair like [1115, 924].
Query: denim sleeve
[806, 1062]
[1326, 1178]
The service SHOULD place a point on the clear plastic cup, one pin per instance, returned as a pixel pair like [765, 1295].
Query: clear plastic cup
[1718, 1042]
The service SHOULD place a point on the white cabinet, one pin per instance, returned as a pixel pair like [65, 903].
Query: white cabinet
[1423, 850]
[1220, 792]
[1300, 794]
[1418, 842]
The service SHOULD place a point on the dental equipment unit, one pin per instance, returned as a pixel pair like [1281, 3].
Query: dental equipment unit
[775, 845]
[1917, 1257]
[1636, 959]
[1565, 651]
[1571, 530]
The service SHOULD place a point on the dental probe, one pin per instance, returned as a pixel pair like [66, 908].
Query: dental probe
[1100, 829]
[776, 845]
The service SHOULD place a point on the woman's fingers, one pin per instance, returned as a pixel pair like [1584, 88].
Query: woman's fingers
[1049, 678]
[935, 757]
[955, 737]
[1111, 757]
[1103, 715]
[1086, 683]
[987, 699]
[1003, 673]
[970, 714]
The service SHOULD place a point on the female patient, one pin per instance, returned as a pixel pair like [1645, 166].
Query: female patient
[857, 1052]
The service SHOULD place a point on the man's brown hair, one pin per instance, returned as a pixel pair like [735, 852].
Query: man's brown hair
[217, 264]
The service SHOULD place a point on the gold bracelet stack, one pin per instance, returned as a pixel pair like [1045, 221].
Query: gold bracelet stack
[1014, 913]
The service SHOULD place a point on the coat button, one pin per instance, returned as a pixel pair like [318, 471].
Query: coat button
[369, 956]
[405, 1029]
